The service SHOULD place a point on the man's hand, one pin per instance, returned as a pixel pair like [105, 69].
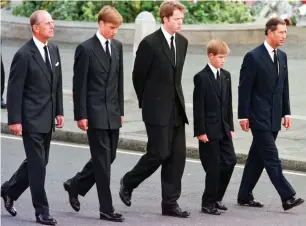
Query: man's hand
[245, 125]
[122, 119]
[203, 138]
[83, 124]
[59, 121]
[16, 129]
[232, 134]
[287, 122]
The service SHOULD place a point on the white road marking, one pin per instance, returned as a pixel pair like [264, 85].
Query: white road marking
[134, 153]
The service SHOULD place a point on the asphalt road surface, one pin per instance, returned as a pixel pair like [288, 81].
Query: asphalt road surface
[66, 159]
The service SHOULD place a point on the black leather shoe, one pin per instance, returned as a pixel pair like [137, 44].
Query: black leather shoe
[115, 217]
[73, 199]
[175, 212]
[3, 105]
[9, 204]
[220, 206]
[292, 202]
[251, 203]
[125, 194]
[45, 219]
[210, 210]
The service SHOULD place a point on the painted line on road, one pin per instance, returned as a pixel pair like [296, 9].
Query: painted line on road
[135, 153]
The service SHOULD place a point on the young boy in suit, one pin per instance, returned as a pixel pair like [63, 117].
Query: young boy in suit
[214, 127]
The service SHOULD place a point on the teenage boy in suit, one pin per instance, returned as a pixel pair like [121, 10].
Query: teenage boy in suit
[214, 127]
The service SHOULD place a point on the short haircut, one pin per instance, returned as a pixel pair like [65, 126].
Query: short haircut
[272, 24]
[167, 8]
[109, 14]
[217, 46]
[34, 17]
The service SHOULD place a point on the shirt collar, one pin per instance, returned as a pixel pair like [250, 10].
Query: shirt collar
[268, 47]
[38, 43]
[166, 34]
[101, 38]
[214, 70]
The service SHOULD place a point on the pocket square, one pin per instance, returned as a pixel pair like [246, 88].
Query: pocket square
[56, 64]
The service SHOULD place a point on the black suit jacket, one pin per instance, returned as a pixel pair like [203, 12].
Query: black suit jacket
[263, 95]
[212, 107]
[157, 79]
[98, 85]
[34, 96]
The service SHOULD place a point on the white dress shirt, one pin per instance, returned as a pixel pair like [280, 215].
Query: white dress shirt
[214, 70]
[102, 41]
[271, 51]
[168, 38]
[40, 47]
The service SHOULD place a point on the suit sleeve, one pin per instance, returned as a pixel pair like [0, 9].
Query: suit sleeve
[199, 93]
[121, 84]
[80, 73]
[245, 88]
[230, 106]
[286, 99]
[59, 91]
[17, 77]
[144, 57]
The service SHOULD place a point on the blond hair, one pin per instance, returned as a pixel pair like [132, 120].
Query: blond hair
[111, 15]
[217, 46]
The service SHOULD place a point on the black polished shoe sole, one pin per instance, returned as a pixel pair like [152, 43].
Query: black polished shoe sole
[126, 202]
[11, 210]
[112, 219]
[77, 209]
[45, 222]
[298, 202]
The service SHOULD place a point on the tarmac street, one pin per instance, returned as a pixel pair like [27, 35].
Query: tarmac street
[66, 159]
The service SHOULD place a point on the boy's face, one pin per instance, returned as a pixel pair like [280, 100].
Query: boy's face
[217, 60]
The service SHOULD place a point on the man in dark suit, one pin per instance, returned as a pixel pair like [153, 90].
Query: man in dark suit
[263, 102]
[214, 127]
[3, 104]
[98, 109]
[157, 78]
[34, 99]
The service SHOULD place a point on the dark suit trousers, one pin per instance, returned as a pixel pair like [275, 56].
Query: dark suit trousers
[103, 145]
[2, 79]
[166, 147]
[218, 160]
[264, 154]
[32, 172]
[83, 181]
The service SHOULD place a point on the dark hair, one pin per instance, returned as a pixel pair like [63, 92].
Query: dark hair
[272, 24]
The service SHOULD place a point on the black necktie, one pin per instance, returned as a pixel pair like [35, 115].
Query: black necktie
[48, 63]
[172, 49]
[218, 79]
[107, 51]
[275, 60]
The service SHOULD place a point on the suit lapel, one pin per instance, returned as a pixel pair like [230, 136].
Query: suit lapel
[224, 85]
[166, 48]
[281, 62]
[114, 56]
[177, 50]
[267, 59]
[100, 54]
[40, 61]
[213, 81]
